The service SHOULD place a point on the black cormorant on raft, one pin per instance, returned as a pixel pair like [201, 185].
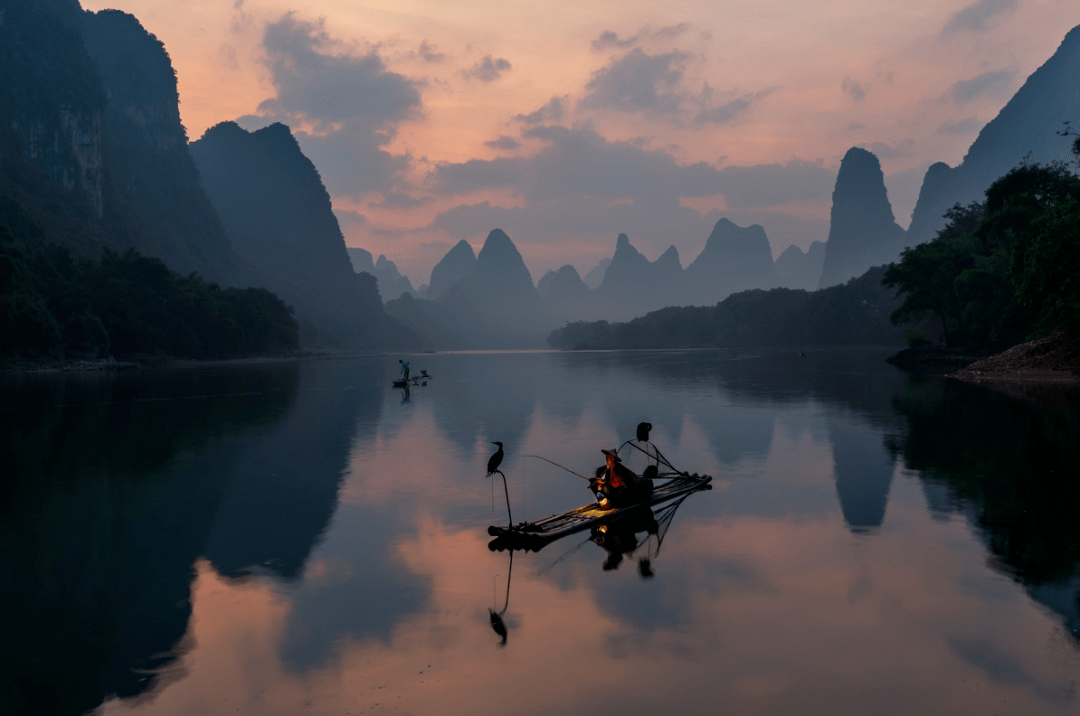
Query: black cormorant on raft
[619, 492]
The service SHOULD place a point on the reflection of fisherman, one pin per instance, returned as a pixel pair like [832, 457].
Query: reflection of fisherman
[404, 369]
[619, 539]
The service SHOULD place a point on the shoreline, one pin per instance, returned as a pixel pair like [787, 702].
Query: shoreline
[1052, 360]
[139, 363]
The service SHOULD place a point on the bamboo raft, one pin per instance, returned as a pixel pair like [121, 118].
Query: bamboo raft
[532, 536]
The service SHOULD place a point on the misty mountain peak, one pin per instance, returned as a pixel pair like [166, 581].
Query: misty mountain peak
[625, 251]
[563, 285]
[361, 260]
[499, 252]
[734, 259]
[499, 285]
[669, 260]
[799, 269]
[862, 229]
[860, 181]
[451, 269]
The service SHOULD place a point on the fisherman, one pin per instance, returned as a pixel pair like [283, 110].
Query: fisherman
[616, 485]
[404, 369]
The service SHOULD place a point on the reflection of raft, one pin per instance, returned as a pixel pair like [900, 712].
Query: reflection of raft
[534, 535]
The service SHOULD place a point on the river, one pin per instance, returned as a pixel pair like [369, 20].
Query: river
[302, 538]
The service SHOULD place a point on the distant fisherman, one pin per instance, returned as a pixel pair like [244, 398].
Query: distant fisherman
[404, 369]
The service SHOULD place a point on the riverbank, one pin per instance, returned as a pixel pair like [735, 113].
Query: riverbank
[1053, 359]
[936, 359]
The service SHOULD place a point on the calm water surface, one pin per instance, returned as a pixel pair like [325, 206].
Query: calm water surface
[301, 538]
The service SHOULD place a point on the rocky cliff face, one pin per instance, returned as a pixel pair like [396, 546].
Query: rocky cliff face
[92, 142]
[1026, 126]
[146, 145]
[862, 230]
[278, 216]
[734, 259]
[52, 104]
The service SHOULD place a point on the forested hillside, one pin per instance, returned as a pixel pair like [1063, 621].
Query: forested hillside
[855, 313]
[54, 305]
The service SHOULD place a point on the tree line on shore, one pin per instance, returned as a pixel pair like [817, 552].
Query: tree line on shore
[55, 305]
[1004, 270]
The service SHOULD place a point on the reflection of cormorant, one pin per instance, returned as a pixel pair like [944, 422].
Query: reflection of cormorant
[643, 432]
[495, 460]
[496, 617]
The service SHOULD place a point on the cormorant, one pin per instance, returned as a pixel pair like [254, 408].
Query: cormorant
[643, 432]
[495, 460]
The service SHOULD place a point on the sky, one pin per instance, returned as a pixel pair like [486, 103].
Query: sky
[567, 123]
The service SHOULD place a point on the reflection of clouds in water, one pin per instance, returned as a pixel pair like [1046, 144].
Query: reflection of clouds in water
[762, 598]
[763, 618]
[368, 591]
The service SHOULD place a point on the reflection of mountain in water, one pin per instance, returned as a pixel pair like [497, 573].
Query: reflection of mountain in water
[282, 490]
[863, 469]
[1010, 467]
[857, 380]
[489, 395]
[115, 483]
[369, 603]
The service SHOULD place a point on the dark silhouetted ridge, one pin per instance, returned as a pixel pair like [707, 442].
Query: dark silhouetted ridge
[1025, 126]
[147, 149]
[279, 218]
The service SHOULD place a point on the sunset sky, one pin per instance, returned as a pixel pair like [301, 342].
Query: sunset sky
[565, 123]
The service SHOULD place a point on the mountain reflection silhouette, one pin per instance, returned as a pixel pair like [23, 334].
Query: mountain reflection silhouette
[114, 486]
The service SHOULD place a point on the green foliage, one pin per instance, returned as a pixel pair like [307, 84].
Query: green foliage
[915, 339]
[1004, 271]
[926, 275]
[55, 305]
